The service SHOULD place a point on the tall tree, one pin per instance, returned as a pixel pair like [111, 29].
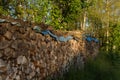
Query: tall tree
[70, 10]
[85, 4]
[105, 12]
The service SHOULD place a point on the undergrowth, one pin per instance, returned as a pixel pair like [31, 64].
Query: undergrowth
[105, 67]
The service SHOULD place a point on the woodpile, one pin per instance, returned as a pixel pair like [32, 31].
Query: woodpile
[26, 55]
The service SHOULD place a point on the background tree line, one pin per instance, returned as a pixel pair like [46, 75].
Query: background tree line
[63, 14]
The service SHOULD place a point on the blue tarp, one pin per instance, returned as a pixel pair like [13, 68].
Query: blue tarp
[64, 39]
[61, 38]
[89, 39]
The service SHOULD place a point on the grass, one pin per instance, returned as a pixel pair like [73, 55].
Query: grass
[104, 67]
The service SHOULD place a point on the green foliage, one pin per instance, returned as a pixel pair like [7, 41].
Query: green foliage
[115, 57]
[54, 18]
[5, 4]
[62, 14]
[4, 7]
[114, 37]
[87, 3]
[102, 68]
[70, 9]
[73, 11]
[3, 12]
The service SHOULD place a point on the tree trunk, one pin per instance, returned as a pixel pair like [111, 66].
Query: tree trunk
[83, 23]
[107, 25]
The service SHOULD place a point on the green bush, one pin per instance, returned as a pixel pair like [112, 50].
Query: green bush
[3, 12]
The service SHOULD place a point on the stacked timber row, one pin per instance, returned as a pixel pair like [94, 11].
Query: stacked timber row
[27, 55]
